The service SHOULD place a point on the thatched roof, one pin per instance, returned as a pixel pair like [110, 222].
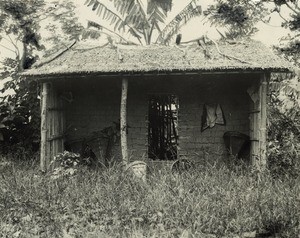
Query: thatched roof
[247, 55]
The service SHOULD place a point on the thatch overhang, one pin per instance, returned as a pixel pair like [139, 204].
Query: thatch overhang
[243, 56]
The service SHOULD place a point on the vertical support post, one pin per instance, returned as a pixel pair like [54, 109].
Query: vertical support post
[254, 93]
[44, 157]
[123, 121]
[258, 122]
[263, 120]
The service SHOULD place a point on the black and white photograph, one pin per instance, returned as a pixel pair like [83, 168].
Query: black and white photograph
[149, 118]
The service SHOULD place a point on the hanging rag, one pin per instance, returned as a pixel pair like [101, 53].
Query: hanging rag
[212, 114]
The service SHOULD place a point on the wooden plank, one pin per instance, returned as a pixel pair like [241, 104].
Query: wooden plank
[123, 121]
[44, 126]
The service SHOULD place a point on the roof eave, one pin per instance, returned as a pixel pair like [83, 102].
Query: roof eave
[53, 76]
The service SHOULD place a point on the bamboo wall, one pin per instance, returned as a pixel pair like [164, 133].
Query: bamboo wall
[96, 105]
[52, 125]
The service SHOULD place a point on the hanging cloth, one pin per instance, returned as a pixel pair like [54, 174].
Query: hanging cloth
[212, 114]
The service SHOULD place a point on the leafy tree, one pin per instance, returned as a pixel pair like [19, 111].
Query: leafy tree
[290, 45]
[141, 21]
[238, 16]
[18, 29]
[284, 131]
[20, 33]
[63, 27]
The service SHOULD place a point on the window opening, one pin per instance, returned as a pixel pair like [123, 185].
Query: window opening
[162, 127]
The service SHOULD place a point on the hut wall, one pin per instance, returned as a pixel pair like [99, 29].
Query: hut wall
[96, 105]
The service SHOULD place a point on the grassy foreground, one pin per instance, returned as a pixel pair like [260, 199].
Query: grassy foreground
[207, 202]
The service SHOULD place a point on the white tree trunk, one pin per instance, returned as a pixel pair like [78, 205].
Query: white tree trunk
[123, 121]
[44, 127]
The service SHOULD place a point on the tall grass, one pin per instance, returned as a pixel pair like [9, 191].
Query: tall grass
[205, 202]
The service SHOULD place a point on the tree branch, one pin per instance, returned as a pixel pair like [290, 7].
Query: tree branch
[282, 17]
[265, 22]
[16, 47]
[92, 48]
[225, 55]
[9, 49]
[56, 56]
[289, 6]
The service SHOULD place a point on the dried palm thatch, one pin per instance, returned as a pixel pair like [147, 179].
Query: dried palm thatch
[248, 55]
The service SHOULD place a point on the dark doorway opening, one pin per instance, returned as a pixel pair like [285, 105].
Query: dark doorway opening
[162, 127]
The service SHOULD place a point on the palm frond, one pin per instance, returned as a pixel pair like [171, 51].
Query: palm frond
[165, 5]
[155, 13]
[190, 11]
[134, 12]
[113, 18]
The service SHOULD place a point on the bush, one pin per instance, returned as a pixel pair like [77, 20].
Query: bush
[284, 125]
[68, 163]
[283, 146]
[19, 119]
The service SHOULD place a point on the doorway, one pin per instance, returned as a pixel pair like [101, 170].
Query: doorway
[162, 127]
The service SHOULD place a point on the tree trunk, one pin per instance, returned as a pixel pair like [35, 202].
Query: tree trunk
[22, 59]
[123, 121]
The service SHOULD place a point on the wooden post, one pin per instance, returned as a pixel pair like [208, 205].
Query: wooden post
[263, 121]
[44, 157]
[123, 121]
[258, 123]
[253, 91]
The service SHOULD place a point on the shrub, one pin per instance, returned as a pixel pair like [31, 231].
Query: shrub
[68, 163]
[284, 145]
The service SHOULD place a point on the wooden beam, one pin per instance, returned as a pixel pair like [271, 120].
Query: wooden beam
[44, 157]
[123, 121]
[70, 76]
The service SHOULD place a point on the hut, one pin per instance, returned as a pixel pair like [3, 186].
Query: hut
[182, 101]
